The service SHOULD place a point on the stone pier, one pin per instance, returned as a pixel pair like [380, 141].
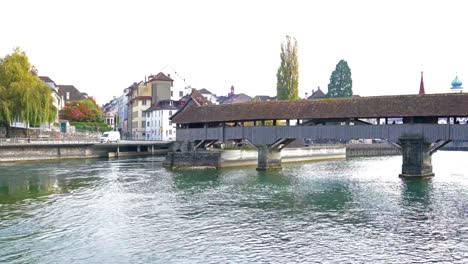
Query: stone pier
[417, 159]
[268, 159]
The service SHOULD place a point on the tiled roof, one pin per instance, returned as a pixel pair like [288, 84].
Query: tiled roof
[46, 79]
[165, 105]
[195, 98]
[75, 94]
[159, 77]
[317, 94]
[204, 91]
[264, 98]
[237, 98]
[437, 105]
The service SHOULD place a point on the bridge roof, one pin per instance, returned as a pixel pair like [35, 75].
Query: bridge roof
[435, 105]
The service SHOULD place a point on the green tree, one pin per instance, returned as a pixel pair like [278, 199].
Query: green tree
[288, 71]
[95, 109]
[22, 94]
[82, 111]
[341, 84]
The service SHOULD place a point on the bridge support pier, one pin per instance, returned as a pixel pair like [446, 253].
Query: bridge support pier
[268, 158]
[417, 160]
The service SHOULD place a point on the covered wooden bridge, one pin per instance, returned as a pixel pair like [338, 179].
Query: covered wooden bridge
[420, 124]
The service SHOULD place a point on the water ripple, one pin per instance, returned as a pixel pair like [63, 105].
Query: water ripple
[135, 211]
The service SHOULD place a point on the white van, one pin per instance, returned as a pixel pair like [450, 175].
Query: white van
[110, 136]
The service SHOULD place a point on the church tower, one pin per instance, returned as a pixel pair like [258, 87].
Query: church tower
[457, 85]
[421, 86]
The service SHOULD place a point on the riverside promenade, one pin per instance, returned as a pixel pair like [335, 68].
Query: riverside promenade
[22, 149]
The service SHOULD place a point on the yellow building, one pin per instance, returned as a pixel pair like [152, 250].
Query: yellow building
[141, 97]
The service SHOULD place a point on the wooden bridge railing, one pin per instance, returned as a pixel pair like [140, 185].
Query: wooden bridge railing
[261, 135]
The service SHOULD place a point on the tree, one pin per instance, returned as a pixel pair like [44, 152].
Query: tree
[341, 84]
[22, 94]
[288, 71]
[82, 111]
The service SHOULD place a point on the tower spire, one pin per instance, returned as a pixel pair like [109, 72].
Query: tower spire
[421, 86]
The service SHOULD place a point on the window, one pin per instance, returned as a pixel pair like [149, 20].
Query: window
[170, 132]
[170, 113]
[147, 123]
[143, 102]
[181, 94]
[143, 124]
[170, 123]
[172, 93]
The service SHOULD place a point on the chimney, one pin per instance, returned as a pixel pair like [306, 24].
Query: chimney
[145, 78]
[306, 95]
[169, 75]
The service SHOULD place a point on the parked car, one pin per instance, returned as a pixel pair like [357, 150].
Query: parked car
[110, 136]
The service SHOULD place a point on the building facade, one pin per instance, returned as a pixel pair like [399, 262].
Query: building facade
[149, 93]
[139, 99]
[158, 124]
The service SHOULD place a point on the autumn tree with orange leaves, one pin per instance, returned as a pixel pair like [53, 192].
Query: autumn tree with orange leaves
[82, 111]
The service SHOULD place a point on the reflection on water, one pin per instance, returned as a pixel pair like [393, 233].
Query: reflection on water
[27, 184]
[135, 211]
[417, 190]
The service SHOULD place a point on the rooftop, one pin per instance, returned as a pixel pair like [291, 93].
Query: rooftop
[204, 91]
[75, 94]
[159, 77]
[436, 105]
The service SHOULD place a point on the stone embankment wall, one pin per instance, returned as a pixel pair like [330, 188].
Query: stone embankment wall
[371, 150]
[32, 151]
[193, 159]
[248, 157]
[41, 151]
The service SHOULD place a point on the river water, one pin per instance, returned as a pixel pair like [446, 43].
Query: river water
[136, 211]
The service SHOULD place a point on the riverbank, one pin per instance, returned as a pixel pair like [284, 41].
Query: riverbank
[24, 151]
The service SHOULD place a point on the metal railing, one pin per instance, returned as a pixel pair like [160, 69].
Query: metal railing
[10, 141]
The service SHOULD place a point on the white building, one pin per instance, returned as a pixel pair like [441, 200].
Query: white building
[59, 103]
[158, 125]
[208, 95]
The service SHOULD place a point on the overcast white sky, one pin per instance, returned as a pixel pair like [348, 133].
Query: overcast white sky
[102, 47]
